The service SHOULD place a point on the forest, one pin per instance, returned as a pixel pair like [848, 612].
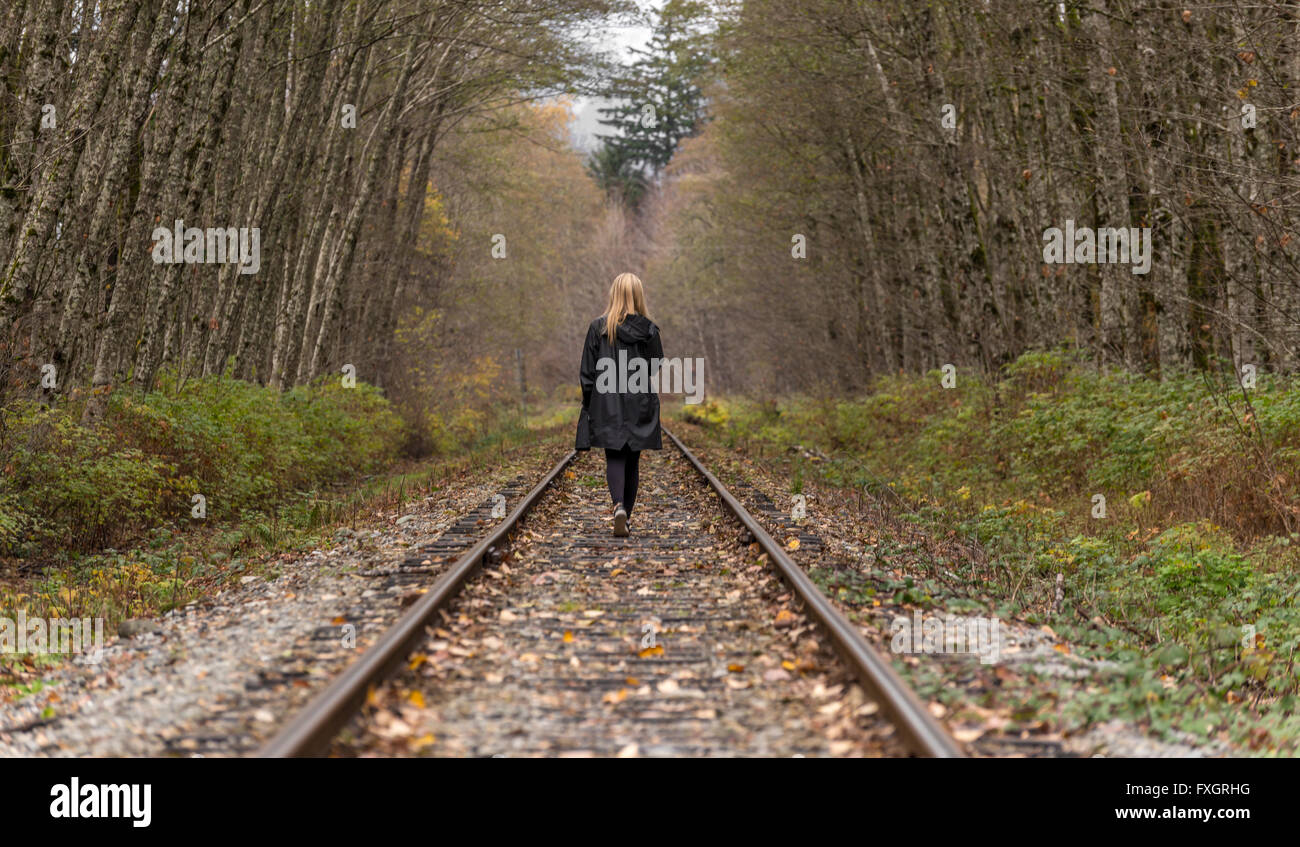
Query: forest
[901, 165]
[1026, 272]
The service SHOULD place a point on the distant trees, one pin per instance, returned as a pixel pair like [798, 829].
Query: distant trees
[317, 123]
[869, 192]
[617, 174]
[526, 194]
[658, 101]
[921, 150]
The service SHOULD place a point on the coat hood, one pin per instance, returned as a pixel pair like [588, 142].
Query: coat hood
[636, 328]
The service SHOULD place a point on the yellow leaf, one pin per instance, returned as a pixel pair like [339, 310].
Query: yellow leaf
[735, 667]
[792, 543]
[656, 650]
[788, 665]
[568, 636]
[426, 740]
[417, 660]
[416, 699]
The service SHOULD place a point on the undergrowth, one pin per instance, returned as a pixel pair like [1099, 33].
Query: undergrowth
[1168, 508]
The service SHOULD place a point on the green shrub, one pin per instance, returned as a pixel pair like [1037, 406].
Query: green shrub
[71, 487]
[68, 488]
[1202, 488]
[708, 413]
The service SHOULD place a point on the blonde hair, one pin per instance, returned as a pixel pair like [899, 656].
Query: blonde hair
[626, 297]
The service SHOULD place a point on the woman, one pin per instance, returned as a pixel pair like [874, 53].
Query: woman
[620, 408]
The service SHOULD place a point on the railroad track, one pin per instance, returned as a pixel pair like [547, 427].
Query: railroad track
[696, 636]
[228, 731]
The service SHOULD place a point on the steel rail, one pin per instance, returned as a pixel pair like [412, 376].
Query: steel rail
[311, 730]
[924, 735]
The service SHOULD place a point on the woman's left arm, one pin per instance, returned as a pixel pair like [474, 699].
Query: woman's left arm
[587, 369]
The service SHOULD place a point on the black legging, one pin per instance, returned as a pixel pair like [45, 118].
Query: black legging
[622, 472]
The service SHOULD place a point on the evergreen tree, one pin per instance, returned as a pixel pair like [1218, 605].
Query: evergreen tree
[659, 102]
[616, 175]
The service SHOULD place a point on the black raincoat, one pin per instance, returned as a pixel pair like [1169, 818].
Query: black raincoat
[610, 417]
